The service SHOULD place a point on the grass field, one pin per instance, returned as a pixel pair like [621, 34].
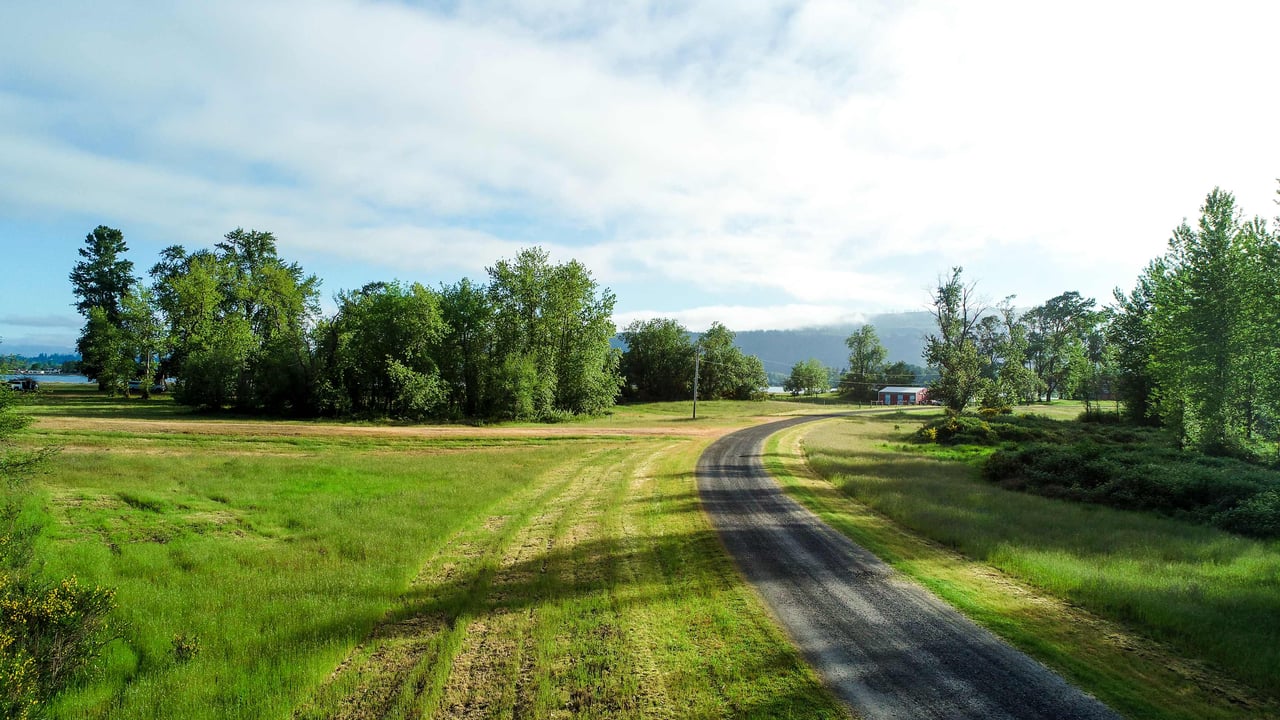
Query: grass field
[270, 569]
[1115, 600]
[321, 569]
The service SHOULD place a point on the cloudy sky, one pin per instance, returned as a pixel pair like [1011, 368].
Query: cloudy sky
[769, 164]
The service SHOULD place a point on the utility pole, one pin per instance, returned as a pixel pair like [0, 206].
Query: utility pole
[697, 353]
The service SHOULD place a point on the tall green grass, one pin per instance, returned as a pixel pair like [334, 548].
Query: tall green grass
[277, 563]
[1209, 594]
[346, 574]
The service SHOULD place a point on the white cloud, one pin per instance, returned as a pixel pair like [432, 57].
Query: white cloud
[747, 317]
[835, 152]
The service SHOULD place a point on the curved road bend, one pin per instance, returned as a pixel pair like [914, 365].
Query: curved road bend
[883, 644]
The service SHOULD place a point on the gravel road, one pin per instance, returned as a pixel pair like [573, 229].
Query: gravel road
[882, 643]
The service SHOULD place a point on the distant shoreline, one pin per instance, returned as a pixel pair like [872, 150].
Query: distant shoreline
[47, 377]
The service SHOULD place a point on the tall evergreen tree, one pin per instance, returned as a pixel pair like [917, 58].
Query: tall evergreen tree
[101, 279]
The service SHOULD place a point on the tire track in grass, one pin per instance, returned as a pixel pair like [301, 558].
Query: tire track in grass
[540, 573]
[703, 644]
[601, 679]
[571, 652]
[601, 591]
[399, 671]
[631, 578]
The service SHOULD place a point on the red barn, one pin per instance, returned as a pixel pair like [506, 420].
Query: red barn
[896, 395]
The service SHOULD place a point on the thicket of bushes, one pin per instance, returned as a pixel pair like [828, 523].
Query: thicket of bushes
[1122, 466]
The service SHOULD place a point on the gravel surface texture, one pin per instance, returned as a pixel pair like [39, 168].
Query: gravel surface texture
[884, 645]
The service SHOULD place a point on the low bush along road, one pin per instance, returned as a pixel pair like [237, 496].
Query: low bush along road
[887, 647]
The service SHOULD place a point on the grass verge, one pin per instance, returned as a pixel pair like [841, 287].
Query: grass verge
[1115, 601]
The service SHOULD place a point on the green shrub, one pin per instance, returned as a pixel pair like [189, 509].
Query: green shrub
[1258, 515]
[1134, 469]
[1005, 467]
[555, 415]
[1109, 417]
[957, 430]
[982, 429]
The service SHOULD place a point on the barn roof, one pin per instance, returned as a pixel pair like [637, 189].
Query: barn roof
[899, 389]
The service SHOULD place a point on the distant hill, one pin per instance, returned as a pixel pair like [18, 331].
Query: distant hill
[901, 333]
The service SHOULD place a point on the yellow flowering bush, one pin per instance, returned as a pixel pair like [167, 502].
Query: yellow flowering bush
[49, 631]
[48, 635]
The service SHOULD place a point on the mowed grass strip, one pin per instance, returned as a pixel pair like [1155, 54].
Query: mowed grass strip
[712, 414]
[400, 670]
[1083, 588]
[606, 596]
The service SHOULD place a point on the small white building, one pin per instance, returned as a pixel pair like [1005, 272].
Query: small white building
[898, 395]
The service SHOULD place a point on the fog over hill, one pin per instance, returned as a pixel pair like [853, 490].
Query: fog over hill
[902, 334]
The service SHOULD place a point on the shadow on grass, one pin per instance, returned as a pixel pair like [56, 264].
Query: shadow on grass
[89, 402]
[687, 581]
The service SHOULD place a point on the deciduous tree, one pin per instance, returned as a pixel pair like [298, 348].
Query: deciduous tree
[239, 319]
[1130, 333]
[808, 377]
[1055, 340]
[552, 326]
[466, 345]
[1213, 326]
[658, 361]
[866, 360]
[726, 372]
[378, 353]
[953, 350]
[143, 335]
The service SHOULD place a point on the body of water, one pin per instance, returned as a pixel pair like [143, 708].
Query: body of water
[48, 378]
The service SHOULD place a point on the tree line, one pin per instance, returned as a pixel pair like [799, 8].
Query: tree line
[1192, 347]
[239, 327]
[999, 356]
[44, 362]
[662, 357]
